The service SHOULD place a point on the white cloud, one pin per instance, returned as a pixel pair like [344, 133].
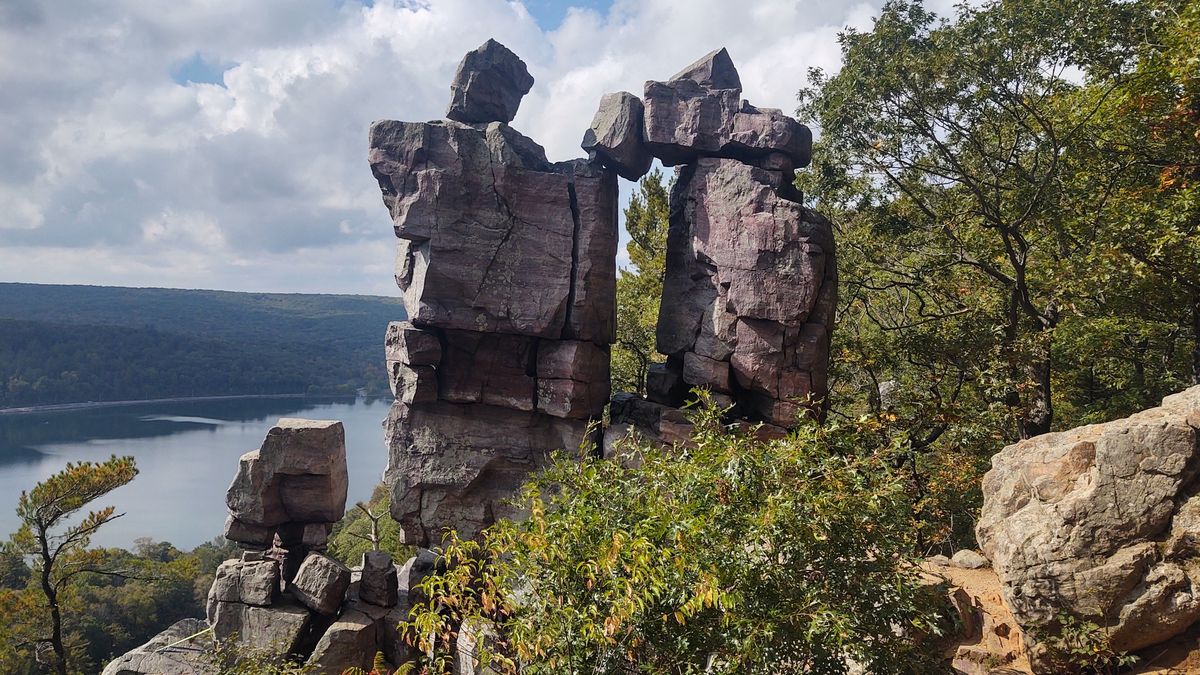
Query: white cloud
[115, 173]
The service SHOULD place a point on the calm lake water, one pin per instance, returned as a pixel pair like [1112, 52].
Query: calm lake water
[186, 454]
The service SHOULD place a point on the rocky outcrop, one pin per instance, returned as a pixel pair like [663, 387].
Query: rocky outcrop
[507, 267]
[181, 649]
[291, 490]
[751, 276]
[1101, 522]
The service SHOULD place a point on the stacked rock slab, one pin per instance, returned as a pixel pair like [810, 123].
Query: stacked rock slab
[1102, 523]
[288, 494]
[751, 278]
[506, 264]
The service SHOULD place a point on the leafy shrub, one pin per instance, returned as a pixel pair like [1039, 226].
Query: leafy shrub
[728, 555]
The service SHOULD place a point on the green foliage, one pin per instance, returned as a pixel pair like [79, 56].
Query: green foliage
[639, 288]
[352, 535]
[57, 543]
[1016, 193]
[79, 343]
[727, 555]
[1077, 645]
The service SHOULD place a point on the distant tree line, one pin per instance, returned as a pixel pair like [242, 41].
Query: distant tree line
[47, 363]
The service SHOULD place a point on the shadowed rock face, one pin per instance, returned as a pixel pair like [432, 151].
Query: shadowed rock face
[504, 258]
[489, 85]
[1102, 522]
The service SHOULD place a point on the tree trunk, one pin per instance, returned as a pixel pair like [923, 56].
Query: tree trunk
[1039, 412]
[56, 640]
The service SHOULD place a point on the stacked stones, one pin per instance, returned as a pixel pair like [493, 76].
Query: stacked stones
[326, 614]
[751, 279]
[507, 266]
[287, 495]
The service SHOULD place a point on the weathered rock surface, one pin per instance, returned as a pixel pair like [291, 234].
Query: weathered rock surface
[298, 475]
[168, 653]
[700, 113]
[349, 642]
[749, 290]
[454, 465]
[489, 85]
[615, 137]
[379, 584]
[248, 582]
[714, 70]
[321, 584]
[1102, 522]
[283, 627]
[502, 257]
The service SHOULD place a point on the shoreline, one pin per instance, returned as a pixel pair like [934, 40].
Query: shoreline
[66, 407]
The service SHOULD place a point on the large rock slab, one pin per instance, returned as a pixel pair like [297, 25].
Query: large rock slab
[700, 113]
[489, 85]
[169, 653]
[455, 465]
[488, 223]
[349, 642]
[592, 303]
[749, 290]
[281, 628]
[248, 582]
[615, 137]
[1101, 522]
[297, 475]
[379, 584]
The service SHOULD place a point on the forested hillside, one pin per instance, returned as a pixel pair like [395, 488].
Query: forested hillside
[64, 344]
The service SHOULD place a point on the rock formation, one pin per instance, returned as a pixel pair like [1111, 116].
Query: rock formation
[751, 278]
[507, 266]
[1101, 522]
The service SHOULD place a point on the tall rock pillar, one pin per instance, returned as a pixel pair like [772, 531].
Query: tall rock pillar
[506, 263]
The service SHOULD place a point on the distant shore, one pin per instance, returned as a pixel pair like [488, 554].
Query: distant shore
[61, 407]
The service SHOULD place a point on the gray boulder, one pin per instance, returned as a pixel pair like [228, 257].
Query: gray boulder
[489, 85]
[714, 70]
[281, 628]
[1101, 522]
[321, 584]
[615, 137]
[378, 585]
[169, 653]
[247, 582]
[297, 475]
[349, 642]
[968, 559]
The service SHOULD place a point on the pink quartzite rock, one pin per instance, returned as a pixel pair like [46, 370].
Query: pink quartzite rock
[615, 137]
[749, 289]
[489, 85]
[700, 113]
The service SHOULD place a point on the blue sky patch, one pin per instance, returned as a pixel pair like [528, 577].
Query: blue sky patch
[197, 68]
[549, 14]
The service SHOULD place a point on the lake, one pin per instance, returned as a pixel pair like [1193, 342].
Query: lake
[186, 452]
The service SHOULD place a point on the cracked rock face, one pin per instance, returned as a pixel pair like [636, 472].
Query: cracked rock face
[503, 259]
[1102, 522]
[749, 290]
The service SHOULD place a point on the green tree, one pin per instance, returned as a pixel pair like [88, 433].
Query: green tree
[944, 140]
[729, 554]
[639, 287]
[59, 548]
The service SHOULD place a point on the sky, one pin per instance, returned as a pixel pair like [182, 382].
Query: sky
[221, 144]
